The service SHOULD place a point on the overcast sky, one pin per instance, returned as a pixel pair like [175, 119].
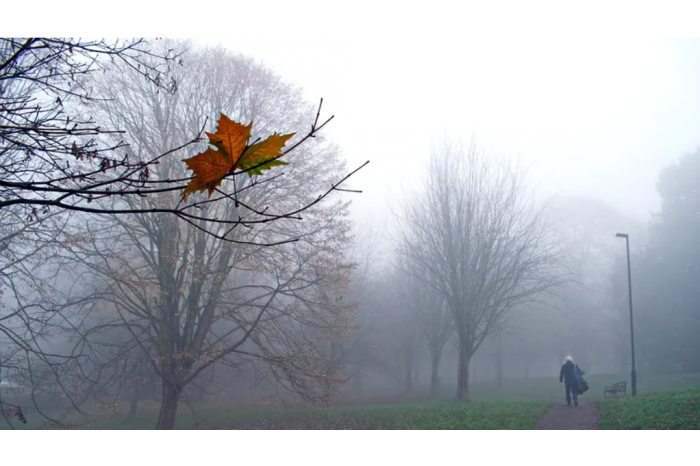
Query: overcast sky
[594, 117]
[588, 96]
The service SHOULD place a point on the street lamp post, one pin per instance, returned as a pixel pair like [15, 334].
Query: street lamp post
[629, 279]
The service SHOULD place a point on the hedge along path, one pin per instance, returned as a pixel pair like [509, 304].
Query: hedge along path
[561, 417]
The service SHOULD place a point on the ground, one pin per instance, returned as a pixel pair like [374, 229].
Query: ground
[562, 417]
[665, 401]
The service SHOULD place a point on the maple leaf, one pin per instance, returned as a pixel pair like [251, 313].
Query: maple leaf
[210, 168]
[231, 139]
[262, 156]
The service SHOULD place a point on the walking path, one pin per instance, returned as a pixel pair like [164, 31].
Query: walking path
[562, 417]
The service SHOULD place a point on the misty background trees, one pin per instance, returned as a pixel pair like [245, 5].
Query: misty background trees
[666, 271]
[117, 293]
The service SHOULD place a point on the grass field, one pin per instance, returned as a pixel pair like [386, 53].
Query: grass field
[673, 409]
[550, 389]
[428, 415]
[424, 416]
[517, 405]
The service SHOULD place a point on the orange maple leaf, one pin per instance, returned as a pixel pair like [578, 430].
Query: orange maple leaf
[231, 139]
[210, 168]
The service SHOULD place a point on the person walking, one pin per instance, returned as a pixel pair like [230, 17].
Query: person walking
[568, 376]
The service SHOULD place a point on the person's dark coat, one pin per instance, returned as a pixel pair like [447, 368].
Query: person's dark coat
[567, 375]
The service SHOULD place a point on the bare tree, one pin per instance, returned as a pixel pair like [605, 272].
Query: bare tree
[55, 155]
[63, 147]
[188, 300]
[43, 82]
[52, 157]
[478, 238]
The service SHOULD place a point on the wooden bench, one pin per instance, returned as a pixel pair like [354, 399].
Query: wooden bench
[614, 389]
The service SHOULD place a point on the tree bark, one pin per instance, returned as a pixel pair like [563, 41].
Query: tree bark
[463, 373]
[168, 406]
[499, 363]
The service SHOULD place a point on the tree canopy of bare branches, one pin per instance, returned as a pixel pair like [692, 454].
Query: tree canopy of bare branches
[174, 283]
[188, 300]
[477, 236]
[55, 155]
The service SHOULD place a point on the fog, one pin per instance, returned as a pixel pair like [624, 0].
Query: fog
[476, 248]
[595, 117]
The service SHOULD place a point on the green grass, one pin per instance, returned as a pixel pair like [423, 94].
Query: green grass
[549, 388]
[432, 415]
[516, 405]
[486, 415]
[483, 415]
[676, 409]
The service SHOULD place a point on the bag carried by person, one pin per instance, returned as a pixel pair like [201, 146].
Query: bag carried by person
[581, 384]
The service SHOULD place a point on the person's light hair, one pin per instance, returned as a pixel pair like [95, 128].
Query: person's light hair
[569, 358]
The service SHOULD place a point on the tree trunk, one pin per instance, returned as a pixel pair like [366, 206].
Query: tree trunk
[435, 376]
[463, 373]
[168, 406]
[499, 363]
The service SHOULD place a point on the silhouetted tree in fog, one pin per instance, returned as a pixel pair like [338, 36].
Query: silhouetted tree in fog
[189, 300]
[186, 281]
[480, 240]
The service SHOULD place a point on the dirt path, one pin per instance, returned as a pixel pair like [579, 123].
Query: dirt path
[562, 417]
